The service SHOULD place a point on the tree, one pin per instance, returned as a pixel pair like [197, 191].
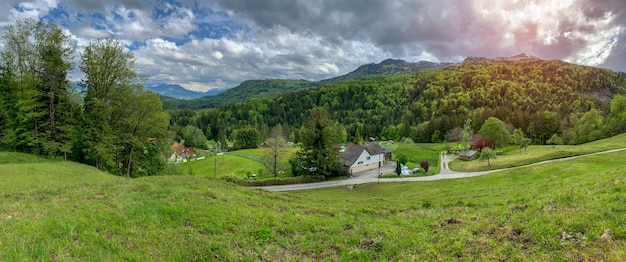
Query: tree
[554, 140]
[358, 138]
[194, 137]
[466, 134]
[35, 62]
[275, 148]
[121, 118]
[319, 136]
[138, 122]
[425, 165]
[454, 135]
[487, 154]
[495, 130]
[246, 138]
[107, 66]
[518, 138]
[617, 122]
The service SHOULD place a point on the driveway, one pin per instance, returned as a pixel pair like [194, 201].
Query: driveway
[445, 173]
[388, 168]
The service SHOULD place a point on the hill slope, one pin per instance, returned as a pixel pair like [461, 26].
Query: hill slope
[248, 89]
[525, 214]
[275, 87]
[539, 97]
[388, 67]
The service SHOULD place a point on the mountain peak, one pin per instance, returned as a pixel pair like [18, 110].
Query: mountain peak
[392, 62]
[519, 57]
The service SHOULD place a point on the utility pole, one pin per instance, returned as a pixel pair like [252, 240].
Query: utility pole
[379, 168]
[215, 160]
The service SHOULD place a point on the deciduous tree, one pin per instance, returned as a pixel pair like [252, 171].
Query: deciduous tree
[494, 129]
[275, 148]
[487, 154]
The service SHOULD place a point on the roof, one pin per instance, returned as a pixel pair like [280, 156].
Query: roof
[182, 149]
[353, 151]
[374, 149]
[467, 153]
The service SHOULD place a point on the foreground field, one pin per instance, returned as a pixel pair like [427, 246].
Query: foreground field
[66, 211]
[513, 156]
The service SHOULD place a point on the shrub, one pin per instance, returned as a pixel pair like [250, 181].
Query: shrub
[271, 181]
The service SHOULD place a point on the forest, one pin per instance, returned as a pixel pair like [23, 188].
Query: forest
[112, 123]
[539, 97]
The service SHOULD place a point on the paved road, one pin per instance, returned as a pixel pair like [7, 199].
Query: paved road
[445, 173]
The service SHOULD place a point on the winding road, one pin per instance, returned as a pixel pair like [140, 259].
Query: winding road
[445, 173]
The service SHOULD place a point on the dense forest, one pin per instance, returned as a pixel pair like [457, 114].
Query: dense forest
[539, 97]
[112, 124]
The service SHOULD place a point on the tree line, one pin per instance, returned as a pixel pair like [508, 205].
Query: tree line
[111, 122]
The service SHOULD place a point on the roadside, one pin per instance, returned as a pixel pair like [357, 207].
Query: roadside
[445, 173]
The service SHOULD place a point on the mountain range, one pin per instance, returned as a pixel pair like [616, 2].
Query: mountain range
[179, 92]
[271, 88]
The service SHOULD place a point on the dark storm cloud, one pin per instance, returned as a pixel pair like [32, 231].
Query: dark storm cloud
[445, 29]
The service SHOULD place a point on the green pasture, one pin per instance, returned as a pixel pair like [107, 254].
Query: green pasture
[63, 211]
[514, 156]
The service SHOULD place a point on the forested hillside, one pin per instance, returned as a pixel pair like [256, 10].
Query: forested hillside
[537, 96]
[272, 88]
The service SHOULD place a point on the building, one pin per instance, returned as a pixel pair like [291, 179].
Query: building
[467, 154]
[181, 153]
[357, 158]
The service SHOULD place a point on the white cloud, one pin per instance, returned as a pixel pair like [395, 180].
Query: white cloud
[250, 39]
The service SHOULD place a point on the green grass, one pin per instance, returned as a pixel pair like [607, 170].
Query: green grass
[513, 156]
[70, 212]
[16, 158]
[418, 152]
[227, 164]
[239, 163]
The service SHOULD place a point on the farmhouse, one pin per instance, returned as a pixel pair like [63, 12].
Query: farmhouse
[181, 153]
[359, 158]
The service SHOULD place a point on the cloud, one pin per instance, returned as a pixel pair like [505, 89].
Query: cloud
[210, 44]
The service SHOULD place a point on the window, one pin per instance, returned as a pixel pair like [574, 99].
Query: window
[360, 163]
[368, 158]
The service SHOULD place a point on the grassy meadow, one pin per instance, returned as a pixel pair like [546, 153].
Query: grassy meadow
[55, 210]
[514, 156]
[418, 152]
[238, 163]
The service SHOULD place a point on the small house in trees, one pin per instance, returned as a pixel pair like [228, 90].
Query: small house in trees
[359, 158]
[181, 153]
[467, 154]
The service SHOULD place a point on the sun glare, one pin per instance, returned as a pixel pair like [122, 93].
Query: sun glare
[526, 24]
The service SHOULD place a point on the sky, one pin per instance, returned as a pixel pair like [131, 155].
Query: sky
[203, 45]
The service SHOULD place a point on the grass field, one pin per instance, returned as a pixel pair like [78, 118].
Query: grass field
[70, 212]
[513, 156]
[238, 163]
[418, 152]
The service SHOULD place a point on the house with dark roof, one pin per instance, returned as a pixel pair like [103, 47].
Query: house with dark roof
[357, 158]
[467, 154]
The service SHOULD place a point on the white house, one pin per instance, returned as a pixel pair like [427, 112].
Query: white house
[359, 158]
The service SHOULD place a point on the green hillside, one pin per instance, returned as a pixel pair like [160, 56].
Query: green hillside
[387, 67]
[537, 96]
[248, 89]
[57, 210]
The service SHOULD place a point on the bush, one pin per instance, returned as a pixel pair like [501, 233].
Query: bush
[271, 181]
